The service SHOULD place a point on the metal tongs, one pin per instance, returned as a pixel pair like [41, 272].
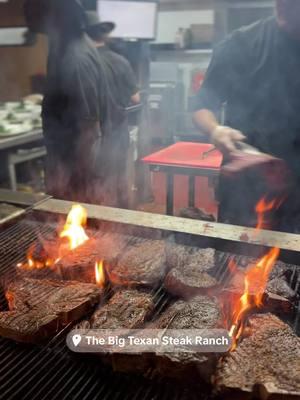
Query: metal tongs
[241, 146]
[208, 152]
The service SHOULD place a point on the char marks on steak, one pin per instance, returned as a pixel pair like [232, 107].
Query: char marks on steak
[276, 285]
[127, 309]
[269, 357]
[189, 275]
[201, 312]
[80, 263]
[143, 263]
[280, 287]
[39, 308]
[179, 255]
[189, 281]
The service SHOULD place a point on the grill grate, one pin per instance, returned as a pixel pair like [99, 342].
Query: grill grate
[53, 372]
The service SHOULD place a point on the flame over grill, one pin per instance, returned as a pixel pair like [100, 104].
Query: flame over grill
[74, 227]
[255, 278]
[72, 236]
[100, 273]
[255, 282]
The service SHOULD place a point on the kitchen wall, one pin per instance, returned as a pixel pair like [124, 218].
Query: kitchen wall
[174, 15]
[170, 20]
[18, 64]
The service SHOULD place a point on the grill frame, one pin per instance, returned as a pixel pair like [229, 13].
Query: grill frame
[35, 372]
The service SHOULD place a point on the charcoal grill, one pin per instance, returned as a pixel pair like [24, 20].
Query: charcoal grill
[52, 371]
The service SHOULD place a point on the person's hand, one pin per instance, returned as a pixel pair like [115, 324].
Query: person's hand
[225, 138]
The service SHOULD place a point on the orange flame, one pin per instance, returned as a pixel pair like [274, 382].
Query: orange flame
[73, 231]
[10, 298]
[255, 279]
[34, 263]
[74, 227]
[255, 282]
[262, 207]
[100, 273]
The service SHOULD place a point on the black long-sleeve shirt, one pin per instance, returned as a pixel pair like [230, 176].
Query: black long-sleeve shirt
[256, 71]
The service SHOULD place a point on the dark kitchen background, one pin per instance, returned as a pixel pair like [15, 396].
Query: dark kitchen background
[170, 69]
[68, 263]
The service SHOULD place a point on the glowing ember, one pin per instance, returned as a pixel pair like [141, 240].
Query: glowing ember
[74, 227]
[100, 274]
[10, 298]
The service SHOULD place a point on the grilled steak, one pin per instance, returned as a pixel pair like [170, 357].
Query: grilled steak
[39, 308]
[281, 287]
[199, 313]
[269, 358]
[181, 255]
[277, 285]
[189, 281]
[143, 263]
[79, 264]
[189, 275]
[126, 309]
[196, 213]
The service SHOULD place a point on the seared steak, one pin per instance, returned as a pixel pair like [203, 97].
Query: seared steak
[143, 263]
[180, 255]
[189, 281]
[281, 287]
[126, 309]
[80, 263]
[277, 285]
[39, 308]
[196, 213]
[199, 313]
[269, 358]
[189, 275]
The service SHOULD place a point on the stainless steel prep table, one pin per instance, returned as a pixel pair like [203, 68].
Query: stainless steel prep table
[10, 157]
[20, 140]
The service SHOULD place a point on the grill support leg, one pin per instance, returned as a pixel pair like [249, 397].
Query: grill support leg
[170, 194]
[191, 191]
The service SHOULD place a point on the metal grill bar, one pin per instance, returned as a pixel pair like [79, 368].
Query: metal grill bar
[84, 388]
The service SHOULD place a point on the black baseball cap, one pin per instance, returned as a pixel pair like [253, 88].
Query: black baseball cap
[93, 21]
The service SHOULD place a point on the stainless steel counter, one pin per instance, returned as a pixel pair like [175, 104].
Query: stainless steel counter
[19, 140]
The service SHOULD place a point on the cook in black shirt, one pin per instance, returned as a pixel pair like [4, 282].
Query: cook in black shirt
[255, 71]
[123, 81]
[123, 91]
[75, 106]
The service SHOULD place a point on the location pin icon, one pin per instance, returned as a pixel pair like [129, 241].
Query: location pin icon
[76, 340]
